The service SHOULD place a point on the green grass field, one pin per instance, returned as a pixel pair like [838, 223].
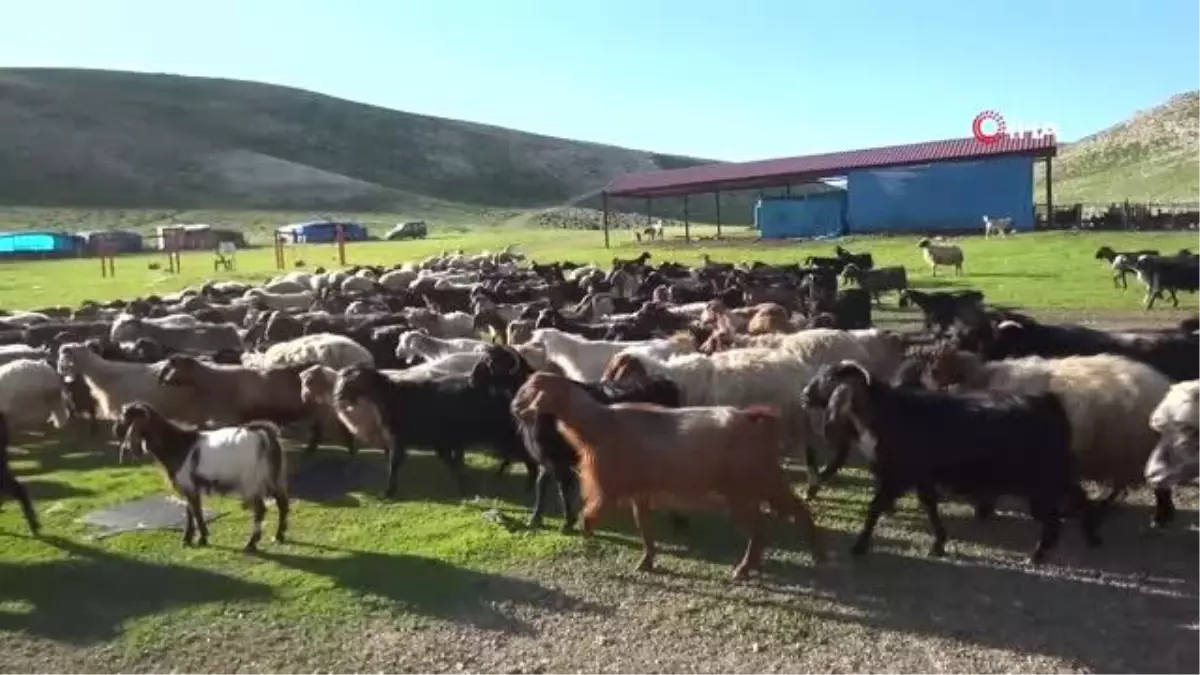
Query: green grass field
[431, 582]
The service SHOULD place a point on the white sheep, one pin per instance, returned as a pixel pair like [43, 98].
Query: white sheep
[358, 284]
[942, 254]
[1108, 399]
[397, 280]
[284, 287]
[300, 300]
[10, 353]
[25, 319]
[416, 343]
[1176, 457]
[739, 378]
[584, 360]
[169, 321]
[335, 351]
[31, 392]
[115, 383]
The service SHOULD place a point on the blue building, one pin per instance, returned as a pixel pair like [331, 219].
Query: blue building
[39, 245]
[942, 186]
[321, 232]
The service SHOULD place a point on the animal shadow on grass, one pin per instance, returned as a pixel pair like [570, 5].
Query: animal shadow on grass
[397, 582]
[87, 598]
[52, 453]
[328, 478]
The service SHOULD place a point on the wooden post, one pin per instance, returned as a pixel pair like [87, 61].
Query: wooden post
[280, 262]
[341, 245]
[1049, 194]
[108, 266]
[649, 206]
[1125, 215]
[717, 194]
[604, 217]
[687, 226]
[788, 192]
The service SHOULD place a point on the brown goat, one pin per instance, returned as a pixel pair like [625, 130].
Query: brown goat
[695, 458]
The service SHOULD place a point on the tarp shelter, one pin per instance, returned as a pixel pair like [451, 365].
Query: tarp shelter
[321, 231]
[38, 244]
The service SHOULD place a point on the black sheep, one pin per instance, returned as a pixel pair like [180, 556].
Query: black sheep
[11, 486]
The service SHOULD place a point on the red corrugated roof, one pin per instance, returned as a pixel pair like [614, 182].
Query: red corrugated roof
[776, 172]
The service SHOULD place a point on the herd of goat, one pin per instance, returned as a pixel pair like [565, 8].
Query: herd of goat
[647, 386]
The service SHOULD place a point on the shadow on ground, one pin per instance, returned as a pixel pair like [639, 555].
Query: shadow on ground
[396, 582]
[88, 598]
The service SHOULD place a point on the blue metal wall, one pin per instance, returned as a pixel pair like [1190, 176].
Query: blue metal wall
[941, 196]
[814, 216]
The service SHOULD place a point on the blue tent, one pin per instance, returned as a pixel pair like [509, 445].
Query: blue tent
[38, 243]
[322, 231]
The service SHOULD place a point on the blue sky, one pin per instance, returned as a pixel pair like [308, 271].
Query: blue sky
[709, 78]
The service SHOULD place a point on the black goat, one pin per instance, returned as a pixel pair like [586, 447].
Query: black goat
[502, 371]
[941, 309]
[877, 281]
[979, 445]
[1173, 353]
[1163, 274]
[448, 414]
[862, 261]
[11, 486]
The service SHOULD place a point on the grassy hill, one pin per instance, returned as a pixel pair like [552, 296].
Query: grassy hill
[102, 138]
[1153, 156]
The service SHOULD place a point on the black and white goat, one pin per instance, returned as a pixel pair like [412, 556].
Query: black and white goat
[11, 486]
[1121, 262]
[247, 459]
[978, 445]
[1163, 274]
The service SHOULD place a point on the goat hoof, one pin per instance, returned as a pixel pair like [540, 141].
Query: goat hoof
[1035, 559]
[811, 493]
[280, 539]
[937, 551]
[250, 548]
[645, 566]
[203, 542]
[859, 548]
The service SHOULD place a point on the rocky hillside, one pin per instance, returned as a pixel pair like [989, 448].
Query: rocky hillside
[1153, 156]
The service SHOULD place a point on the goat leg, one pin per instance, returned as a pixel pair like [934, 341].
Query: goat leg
[883, 501]
[1045, 512]
[749, 519]
[189, 528]
[1078, 501]
[314, 438]
[928, 497]
[260, 512]
[1164, 507]
[568, 492]
[10, 484]
[348, 440]
[396, 454]
[197, 509]
[641, 518]
[541, 487]
[283, 506]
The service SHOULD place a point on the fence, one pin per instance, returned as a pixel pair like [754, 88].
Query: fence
[1143, 216]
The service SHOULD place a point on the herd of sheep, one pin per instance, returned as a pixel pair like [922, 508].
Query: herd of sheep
[641, 385]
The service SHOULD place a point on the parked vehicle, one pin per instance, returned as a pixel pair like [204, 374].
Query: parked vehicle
[414, 229]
